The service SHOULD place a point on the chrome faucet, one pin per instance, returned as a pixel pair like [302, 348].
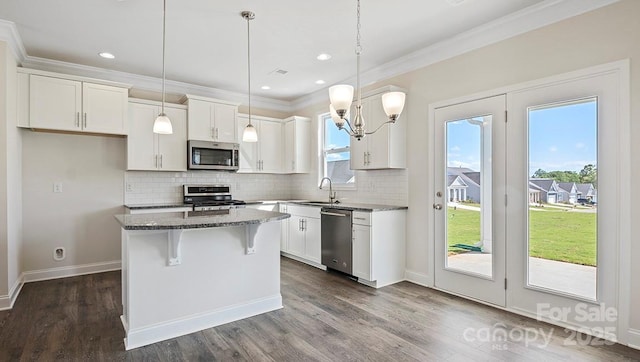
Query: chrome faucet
[332, 194]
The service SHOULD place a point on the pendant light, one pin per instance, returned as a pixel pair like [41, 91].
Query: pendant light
[249, 134]
[162, 124]
[341, 97]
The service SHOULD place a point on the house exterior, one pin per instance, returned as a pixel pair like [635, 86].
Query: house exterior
[471, 179]
[456, 188]
[567, 192]
[548, 189]
[587, 191]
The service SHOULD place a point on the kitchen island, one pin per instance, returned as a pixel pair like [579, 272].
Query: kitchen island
[187, 271]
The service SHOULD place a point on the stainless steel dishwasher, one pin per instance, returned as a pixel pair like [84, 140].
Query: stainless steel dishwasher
[336, 239]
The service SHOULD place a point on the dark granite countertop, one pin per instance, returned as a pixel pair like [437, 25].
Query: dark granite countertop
[350, 206]
[156, 206]
[198, 219]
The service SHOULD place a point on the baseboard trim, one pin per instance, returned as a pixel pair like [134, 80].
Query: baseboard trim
[7, 301]
[144, 336]
[71, 271]
[417, 278]
[633, 338]
[302, 260]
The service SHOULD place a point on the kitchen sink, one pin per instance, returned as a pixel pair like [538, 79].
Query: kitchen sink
[321, 203]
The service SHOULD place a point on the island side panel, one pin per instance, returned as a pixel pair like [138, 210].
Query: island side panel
[216, 282]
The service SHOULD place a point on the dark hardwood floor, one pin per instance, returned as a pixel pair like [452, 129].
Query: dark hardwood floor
[326, 317]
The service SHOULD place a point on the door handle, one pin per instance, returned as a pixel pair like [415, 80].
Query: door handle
[304, 224]
[160, 161]
[85, 120]
[213, 132]
[437, 206]
[77, 119]
[217, 133]
[155, 158]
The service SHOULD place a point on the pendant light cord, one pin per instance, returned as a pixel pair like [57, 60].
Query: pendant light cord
[164, 25]
[249, 65]
[358, 52]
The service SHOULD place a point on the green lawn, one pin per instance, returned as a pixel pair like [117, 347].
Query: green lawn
[554, 234]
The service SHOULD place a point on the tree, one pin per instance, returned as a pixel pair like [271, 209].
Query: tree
[589, 175]
[540, 174]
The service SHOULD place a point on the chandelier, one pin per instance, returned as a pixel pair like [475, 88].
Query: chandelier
[341, 97]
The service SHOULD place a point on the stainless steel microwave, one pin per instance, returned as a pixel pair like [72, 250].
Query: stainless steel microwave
[205, 155]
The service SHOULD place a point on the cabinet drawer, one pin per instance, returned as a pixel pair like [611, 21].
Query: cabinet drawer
[304, 211]
[362, 218]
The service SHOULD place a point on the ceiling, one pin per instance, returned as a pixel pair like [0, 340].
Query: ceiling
[207, 39]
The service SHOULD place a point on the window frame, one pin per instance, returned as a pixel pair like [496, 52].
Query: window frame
[323, 153]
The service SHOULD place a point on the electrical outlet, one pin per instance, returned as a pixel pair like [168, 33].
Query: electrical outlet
[59, 253]
[129, 187]
[57, 187]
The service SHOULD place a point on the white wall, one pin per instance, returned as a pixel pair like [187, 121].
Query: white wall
[80, 219]
[10, 181]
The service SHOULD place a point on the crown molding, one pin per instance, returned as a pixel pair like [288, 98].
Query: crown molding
[9, 34]
[147, 83]
[520, 22]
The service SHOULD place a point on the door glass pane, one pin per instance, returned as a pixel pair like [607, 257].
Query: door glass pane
[563, 197]
[468, 196]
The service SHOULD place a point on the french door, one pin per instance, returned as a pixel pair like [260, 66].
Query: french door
[469, 207]
[562, 241]
[527, 208]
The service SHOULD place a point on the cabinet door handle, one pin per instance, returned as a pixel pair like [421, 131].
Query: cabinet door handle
[304, 226]
[77, 119]
[217, 133]
[85, 120]
[155, 160]
[160, 161]
[213, 132]
[359, 218]
[300, 225]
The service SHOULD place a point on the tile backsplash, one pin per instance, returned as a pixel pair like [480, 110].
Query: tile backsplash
[373, 187]
[150, 187]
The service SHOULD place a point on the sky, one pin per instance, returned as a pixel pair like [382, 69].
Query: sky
[561, 138]
[336, 138]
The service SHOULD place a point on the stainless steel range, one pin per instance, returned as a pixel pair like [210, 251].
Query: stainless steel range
[210, 197]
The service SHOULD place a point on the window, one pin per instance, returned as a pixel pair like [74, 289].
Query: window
[335, 154]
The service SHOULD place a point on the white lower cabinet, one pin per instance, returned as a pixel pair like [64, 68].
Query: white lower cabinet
[301, 239]
[379, 247]
[362, 252]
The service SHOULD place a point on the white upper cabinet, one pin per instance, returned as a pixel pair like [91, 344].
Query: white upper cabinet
[264, 156]
[386, 148]
[297, 150]
[104, 108]
[148, 151]
[56, 103]
[211, 120]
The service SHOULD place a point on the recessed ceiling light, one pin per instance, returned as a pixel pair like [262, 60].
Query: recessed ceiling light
[323, 56]
[320, 81]
[265, 87]
[107, 55]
